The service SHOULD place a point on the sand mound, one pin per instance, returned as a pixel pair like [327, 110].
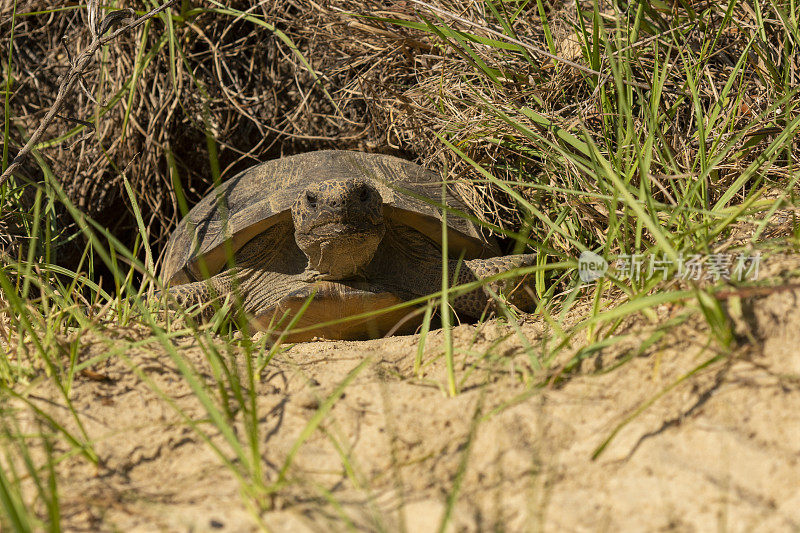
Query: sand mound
[719, 450]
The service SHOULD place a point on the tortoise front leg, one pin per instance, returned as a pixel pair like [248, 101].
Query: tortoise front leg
[267, 268]
[201, 293]
[411, 273]
[474, 303]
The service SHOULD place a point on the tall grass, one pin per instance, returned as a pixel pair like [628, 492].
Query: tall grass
[665, 171]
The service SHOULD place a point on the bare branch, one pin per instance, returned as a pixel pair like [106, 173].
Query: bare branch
[72, 77]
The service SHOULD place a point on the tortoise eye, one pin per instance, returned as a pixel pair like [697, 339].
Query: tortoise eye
[311, 198]
[364, 194]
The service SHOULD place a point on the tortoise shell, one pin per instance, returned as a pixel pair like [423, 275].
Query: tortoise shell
[256, 199]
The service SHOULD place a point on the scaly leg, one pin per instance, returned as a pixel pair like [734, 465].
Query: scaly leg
[214, 289]
[412, 268]
[512, 288]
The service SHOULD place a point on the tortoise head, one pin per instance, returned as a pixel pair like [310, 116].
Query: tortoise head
[338, 224]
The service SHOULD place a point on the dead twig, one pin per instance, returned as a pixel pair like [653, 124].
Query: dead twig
[75, 73]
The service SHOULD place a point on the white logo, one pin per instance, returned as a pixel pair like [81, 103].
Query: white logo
[591, 266]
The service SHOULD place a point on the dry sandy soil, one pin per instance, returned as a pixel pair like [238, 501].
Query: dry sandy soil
[720, 450]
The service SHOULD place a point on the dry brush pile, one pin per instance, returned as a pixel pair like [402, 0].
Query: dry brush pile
[210, 89]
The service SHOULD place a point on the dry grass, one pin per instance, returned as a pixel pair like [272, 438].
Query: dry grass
[608, 127]
[387, 88]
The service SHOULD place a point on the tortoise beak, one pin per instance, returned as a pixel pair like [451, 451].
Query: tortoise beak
[340, 253]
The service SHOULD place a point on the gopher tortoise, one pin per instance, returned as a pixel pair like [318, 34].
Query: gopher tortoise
[351, 232]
